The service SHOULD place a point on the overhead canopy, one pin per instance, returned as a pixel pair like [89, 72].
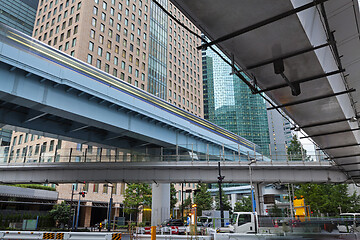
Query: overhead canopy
[305, 55]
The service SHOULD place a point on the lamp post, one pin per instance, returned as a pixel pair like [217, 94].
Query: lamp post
[71, 207]
[83, 193]
[220, 179]
[110, 205]
[251, 186]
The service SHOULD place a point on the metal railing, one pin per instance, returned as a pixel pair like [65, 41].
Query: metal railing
[159, 154]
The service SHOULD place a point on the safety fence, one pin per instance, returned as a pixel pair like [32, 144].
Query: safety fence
[24, 235]
[40, 154]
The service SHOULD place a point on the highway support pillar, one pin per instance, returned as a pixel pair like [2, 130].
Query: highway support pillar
[259, 198]
[160, 207]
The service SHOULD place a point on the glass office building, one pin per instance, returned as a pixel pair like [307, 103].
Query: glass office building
[230, 104]
[19, 14]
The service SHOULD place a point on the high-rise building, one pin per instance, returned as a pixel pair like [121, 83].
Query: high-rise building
[280, 134]
[19, 14]
[132, 40]
[230, 104]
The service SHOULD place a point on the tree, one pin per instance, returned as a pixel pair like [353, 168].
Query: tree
[137, 195]
[202, 198]
[275, 211]
[225, 201]
[328, 198]
[295, 150]
[61, 213]
[187, 203]
[243, 205]
[173, 199]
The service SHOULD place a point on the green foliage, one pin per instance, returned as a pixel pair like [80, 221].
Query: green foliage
[202, 198]
[1, 222]
[225, 201]
[243, 205]
[46, 222]
[295, 150]
[187, 203]
[173, 199]
[137, 195]
[328, 198]
[33, 186]
[275, 211]
[61, 213]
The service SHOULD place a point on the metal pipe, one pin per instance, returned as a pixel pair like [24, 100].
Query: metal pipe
[261, 24]
[311, 99]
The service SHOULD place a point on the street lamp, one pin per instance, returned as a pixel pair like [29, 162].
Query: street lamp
[109, 207]
[251, 186]
[83, 193]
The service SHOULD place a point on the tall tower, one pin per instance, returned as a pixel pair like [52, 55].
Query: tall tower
[230, 104]
[132, 40]
[280, 134]
[19, 14]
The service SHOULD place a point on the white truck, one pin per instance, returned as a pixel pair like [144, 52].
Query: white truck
[212, 218]
[249, 223]
[244, 222]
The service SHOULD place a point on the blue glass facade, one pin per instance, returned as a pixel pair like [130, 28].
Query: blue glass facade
[229, 103]
[19, 14]
[157, 84]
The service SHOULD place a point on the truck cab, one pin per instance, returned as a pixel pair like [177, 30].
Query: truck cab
[244, 222]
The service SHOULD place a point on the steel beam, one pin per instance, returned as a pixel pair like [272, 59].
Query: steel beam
[308, 79]
[341, 146]
[293, 54]
[261, 24]
[311, 99]
[330, 133]
[323, 123]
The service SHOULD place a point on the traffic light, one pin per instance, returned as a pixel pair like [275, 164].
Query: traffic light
[82, 193]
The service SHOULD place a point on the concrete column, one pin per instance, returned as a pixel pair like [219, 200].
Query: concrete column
[160, 208]
[87, 215]
[233, 200]
[259, 198]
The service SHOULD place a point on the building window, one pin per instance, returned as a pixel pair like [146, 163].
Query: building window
[91, 46]
[89, 59]
[96, 188]
[98, 63]
[99, 51]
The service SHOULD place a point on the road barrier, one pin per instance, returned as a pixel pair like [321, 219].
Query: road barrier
[173, 237]
[22, 235]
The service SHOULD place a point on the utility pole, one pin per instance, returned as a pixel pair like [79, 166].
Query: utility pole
[110, 206]
[220, 179]
[71, 208]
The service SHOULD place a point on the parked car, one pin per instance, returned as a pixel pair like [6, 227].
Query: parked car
[172, 222]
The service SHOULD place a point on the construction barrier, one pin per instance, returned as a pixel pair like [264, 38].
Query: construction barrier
[22, 235]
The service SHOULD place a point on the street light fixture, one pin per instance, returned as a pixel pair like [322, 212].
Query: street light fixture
[110, 205]
[251, 186]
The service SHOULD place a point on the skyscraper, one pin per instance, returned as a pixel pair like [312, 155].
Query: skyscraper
[280, 134]
[132, 40]
[19, 14]
[229, 103]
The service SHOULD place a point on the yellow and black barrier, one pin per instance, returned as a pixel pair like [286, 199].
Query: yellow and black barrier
[116, 236]
[48, 235]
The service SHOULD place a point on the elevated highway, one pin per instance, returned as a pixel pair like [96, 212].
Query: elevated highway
[56, 95]
[175, 171]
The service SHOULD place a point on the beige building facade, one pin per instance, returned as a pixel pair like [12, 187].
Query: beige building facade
[122, 38]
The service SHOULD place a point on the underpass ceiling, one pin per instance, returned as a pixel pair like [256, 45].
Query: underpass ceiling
[288, 35]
